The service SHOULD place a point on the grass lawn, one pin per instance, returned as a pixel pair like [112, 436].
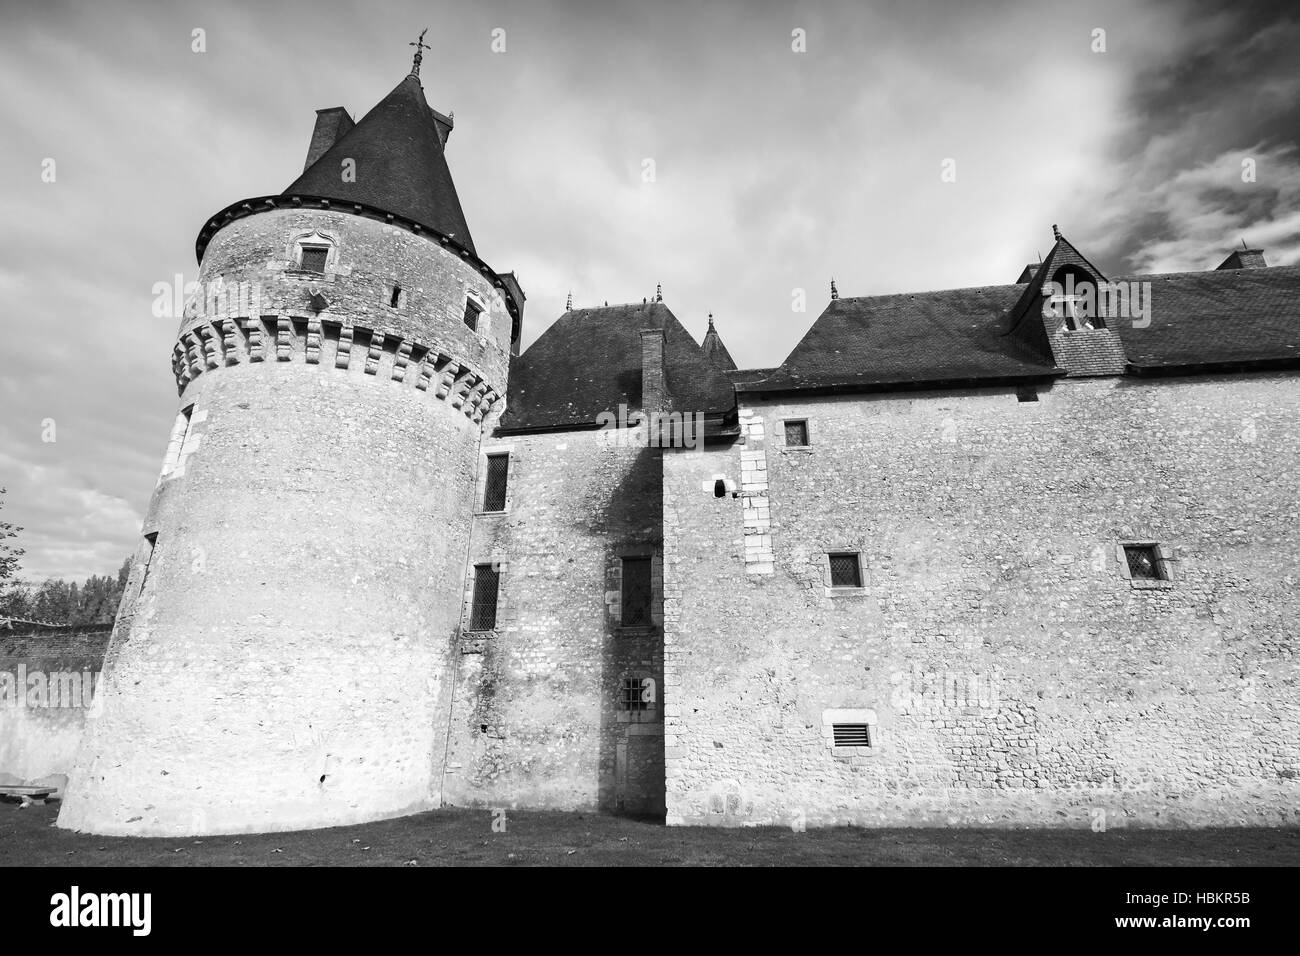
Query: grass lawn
[28, 837]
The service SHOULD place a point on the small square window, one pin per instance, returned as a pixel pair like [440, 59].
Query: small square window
[1144, 562]
[1026, 395]
[851, 735]
[472, 311]
[634, 695]
[796, 433]
[846, 570]
[314, 258]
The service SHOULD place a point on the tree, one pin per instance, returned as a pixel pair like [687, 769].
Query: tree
[9, 554]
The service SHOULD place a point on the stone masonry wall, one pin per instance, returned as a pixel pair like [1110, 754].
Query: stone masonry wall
[47, 680]
[1011, 672]
[536, 720]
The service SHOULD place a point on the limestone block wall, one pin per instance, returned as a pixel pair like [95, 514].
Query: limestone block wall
[47, 680]
[1011, 671]
[535, 720]
[281, 658]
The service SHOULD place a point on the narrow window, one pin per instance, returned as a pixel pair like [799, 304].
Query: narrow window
[796, 433]
[313, 258]
[846, 571]
[851, 735]
[1143, 562]
[472, 311]
[494, 491]
[636, 592]
[176, 443]
[396, 298]
[720, 488]
[483, 611]
[151, 542]
[632, 695]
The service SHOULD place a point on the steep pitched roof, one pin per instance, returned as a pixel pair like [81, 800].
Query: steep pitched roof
[589, 362]
[1216, 318]
[715, 351]
[400, 165]
[950, 335]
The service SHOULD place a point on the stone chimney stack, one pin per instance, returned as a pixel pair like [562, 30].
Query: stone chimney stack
[332, 125]
[653, 394]
[1244, 259]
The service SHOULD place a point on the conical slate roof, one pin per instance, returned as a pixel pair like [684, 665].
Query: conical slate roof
[400, 165]
[715, 351]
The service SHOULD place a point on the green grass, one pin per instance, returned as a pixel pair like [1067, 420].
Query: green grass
[28, 837]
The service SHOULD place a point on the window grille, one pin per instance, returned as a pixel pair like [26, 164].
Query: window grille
[494, 492]
[483, 610]
[472, 311]
[313, 258]
[631, 695]
[796, 433]
[846, 572]
[1143, 561]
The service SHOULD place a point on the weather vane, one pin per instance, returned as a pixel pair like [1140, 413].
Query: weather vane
[420, 47]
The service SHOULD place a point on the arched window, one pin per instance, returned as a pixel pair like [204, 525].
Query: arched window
[1072, 297]
[720, 488]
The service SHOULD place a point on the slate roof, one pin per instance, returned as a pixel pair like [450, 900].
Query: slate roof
[950, 335]
[1201, 319]
[400, 165]
[1216, 318]
[589, 362]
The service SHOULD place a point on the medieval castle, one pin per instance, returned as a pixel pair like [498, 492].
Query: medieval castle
[997, 556]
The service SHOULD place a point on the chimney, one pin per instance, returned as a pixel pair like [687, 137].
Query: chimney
[331, 126]
[1244, 259]
[653, 397]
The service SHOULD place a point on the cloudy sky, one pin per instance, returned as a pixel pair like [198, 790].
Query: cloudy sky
[775, 169]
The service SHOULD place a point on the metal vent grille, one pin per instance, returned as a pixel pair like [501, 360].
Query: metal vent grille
[796, 433]
[494, 493]
[631, 695]
[1143, 562]
[637, 593]
[313, 258]
[483, 610]
[845, 571]
[851, 735]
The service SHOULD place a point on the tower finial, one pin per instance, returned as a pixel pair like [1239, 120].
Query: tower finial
[835, 293]
[568, 303]
[710, 320]
[420, 47]
[1056, 233]
[659, 292]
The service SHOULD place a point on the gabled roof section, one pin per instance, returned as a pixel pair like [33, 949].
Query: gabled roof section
[589, 362]
[715, 351]
[954, 335]
[400, 165]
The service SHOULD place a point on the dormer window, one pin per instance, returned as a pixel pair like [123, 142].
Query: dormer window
[1072, 297]
[314, 258]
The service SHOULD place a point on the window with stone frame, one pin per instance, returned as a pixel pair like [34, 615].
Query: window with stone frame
[796, 433]
[845, 569]
[483, 606]
[634, 694]
[637, 594]
[473, 310]
[1143, 562]
[496, 482]
[314, 258]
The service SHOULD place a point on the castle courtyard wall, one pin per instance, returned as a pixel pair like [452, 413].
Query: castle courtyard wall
[1011, 671]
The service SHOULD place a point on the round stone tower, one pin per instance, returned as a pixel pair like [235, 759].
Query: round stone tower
[281, 658]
